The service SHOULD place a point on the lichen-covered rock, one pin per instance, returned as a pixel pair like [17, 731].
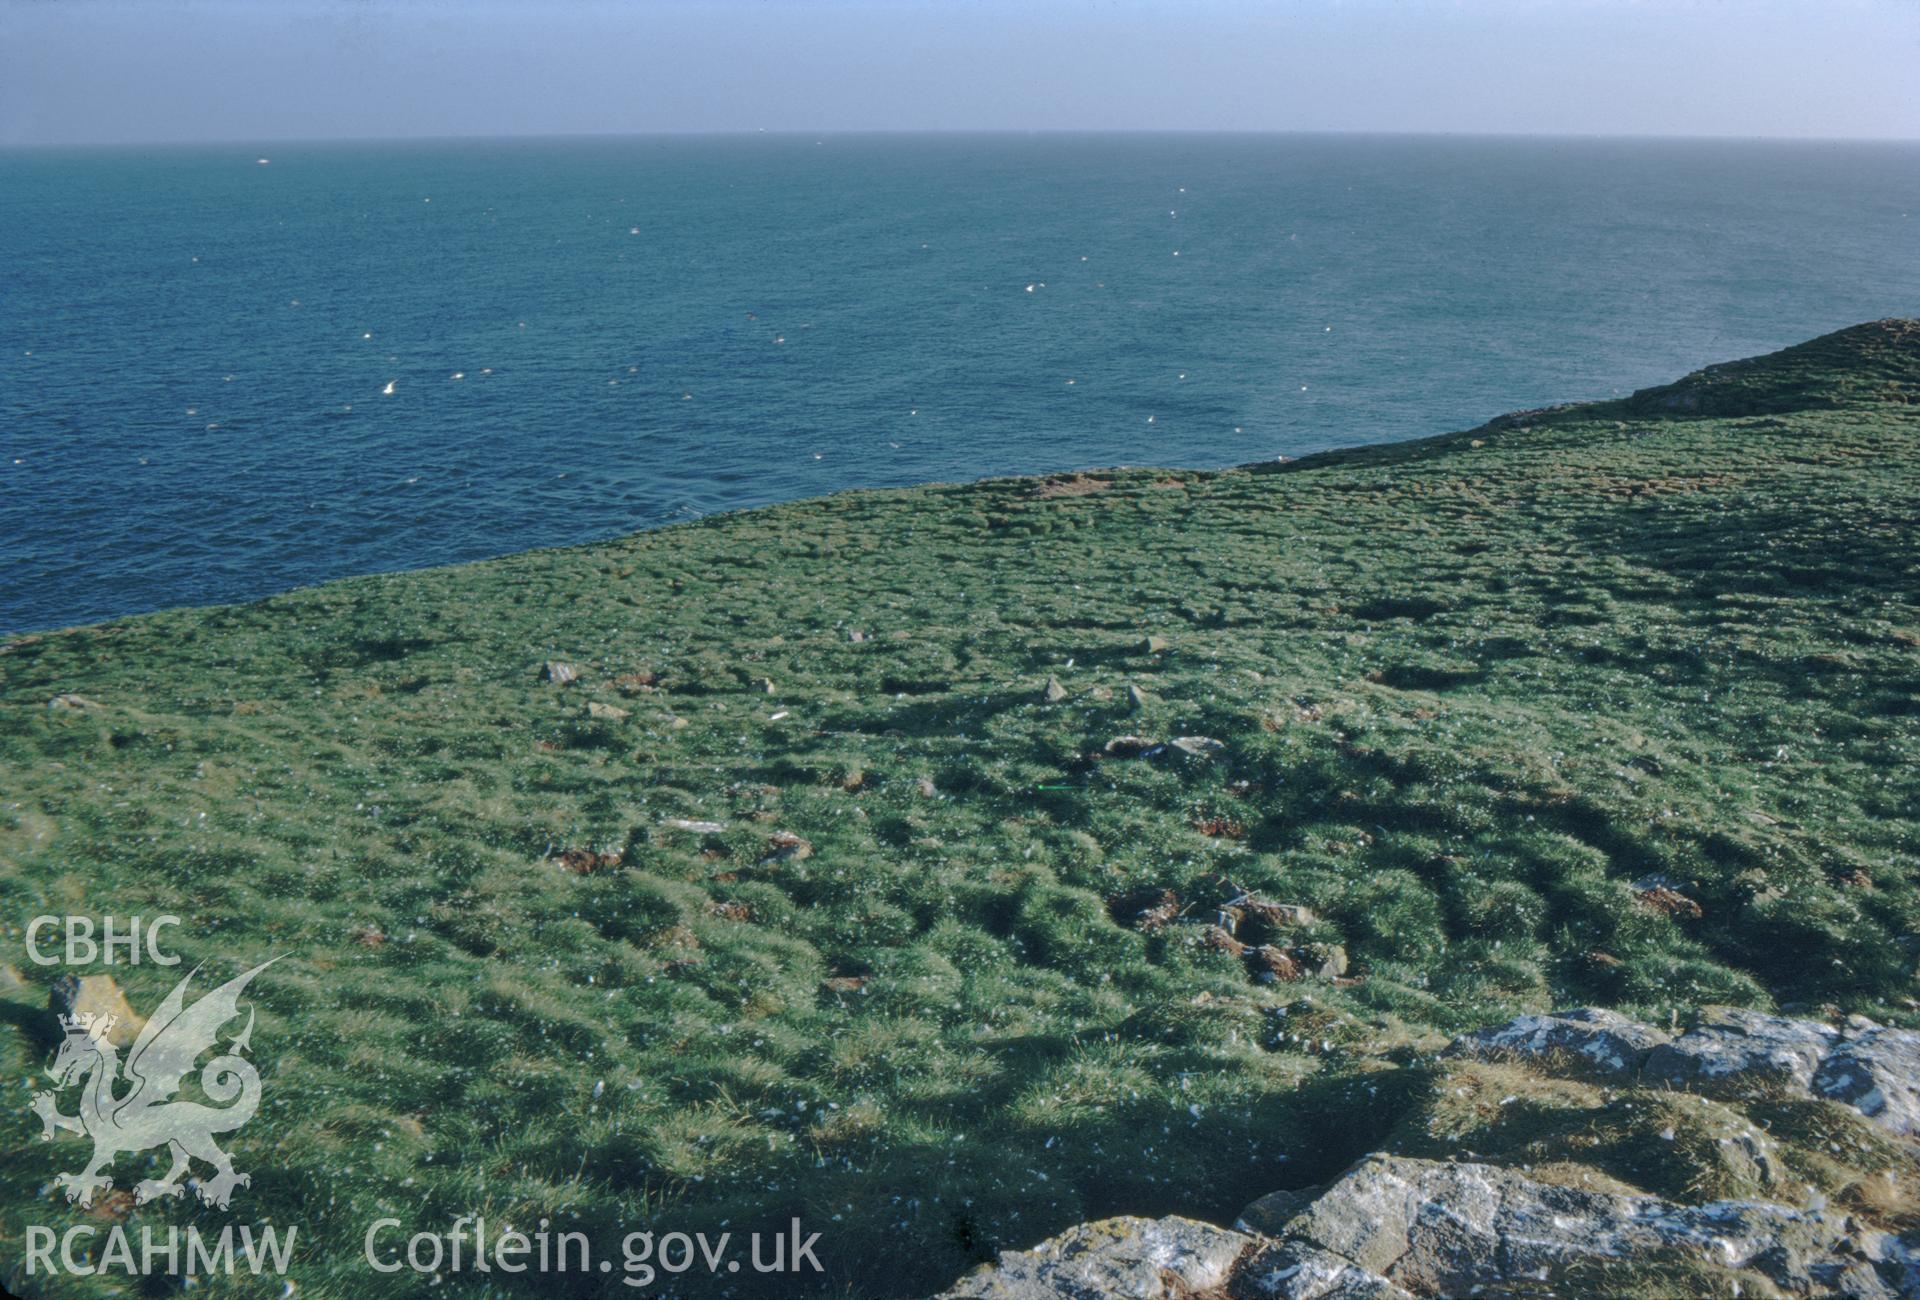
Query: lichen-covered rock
[1152, 1259]
[1394, 1228]
[1274, 1211]
[1732, 1051]
[1448, 1228]
[1877, 1072]
[1293, 1270]
[1605, 1042]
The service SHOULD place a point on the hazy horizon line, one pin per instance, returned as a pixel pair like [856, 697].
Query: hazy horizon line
[912, 132]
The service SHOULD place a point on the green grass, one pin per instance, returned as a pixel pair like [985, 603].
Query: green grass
[1469, 690]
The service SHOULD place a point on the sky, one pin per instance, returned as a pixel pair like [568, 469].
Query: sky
[114, 71]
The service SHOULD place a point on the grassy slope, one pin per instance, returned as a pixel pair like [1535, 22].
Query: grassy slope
[1470, 689]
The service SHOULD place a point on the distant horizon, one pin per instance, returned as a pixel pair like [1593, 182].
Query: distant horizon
[531, 137]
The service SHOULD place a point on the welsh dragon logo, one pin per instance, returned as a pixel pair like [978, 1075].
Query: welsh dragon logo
[142, 1116]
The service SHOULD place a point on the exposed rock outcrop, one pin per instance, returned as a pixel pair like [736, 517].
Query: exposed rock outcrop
[1155, 1259]
[1730, 1052]
[1393, 1228]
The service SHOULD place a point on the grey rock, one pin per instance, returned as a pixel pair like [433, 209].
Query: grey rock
[1332, 958]
[1136, 698]
[1055, 692]
[1152, 1259]
[1275, 1210]
[695, 826]
[1197, 746]
[1154, 645]
[70, 701]
[559, 672]
[1605, 1042]
[1443, 1228]
[1877, 1072]
[1292, 1270]
[1737, 1052]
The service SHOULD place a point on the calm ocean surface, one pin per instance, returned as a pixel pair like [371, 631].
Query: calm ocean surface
[220, 379]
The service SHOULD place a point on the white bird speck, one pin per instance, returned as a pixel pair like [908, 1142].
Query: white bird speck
[388, 390]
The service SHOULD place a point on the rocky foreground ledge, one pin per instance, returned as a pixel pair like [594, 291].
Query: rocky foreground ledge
[1769, 1090]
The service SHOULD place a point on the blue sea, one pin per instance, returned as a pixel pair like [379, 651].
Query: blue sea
[229, 371]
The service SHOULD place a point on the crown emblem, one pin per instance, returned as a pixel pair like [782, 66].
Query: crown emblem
[94, 1025]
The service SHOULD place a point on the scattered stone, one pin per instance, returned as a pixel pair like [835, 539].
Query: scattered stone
[730, 911]
[856, 637]
[1270, 964]
[1263, 921]
[1055, 692]
[62, 703]
[1197, 746]
[559, 672]
[1330, 960]
[636, 683]
[1155, 644]
[926, 787]
[584, 862]
[844, 984]
[1735, 1051]
[606, 712]
[761, 686]
[11, 981]
[368, 936]
[676, 722]
[697, 827]
[1661, 898]
[1137, 699]
[785, 846]
[94, 996]
[1070, 485]
[1142, 1259]
[1128, 746]
[1605, 1042]
[1218, 939]
[1146, 909]
[1101, 693]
